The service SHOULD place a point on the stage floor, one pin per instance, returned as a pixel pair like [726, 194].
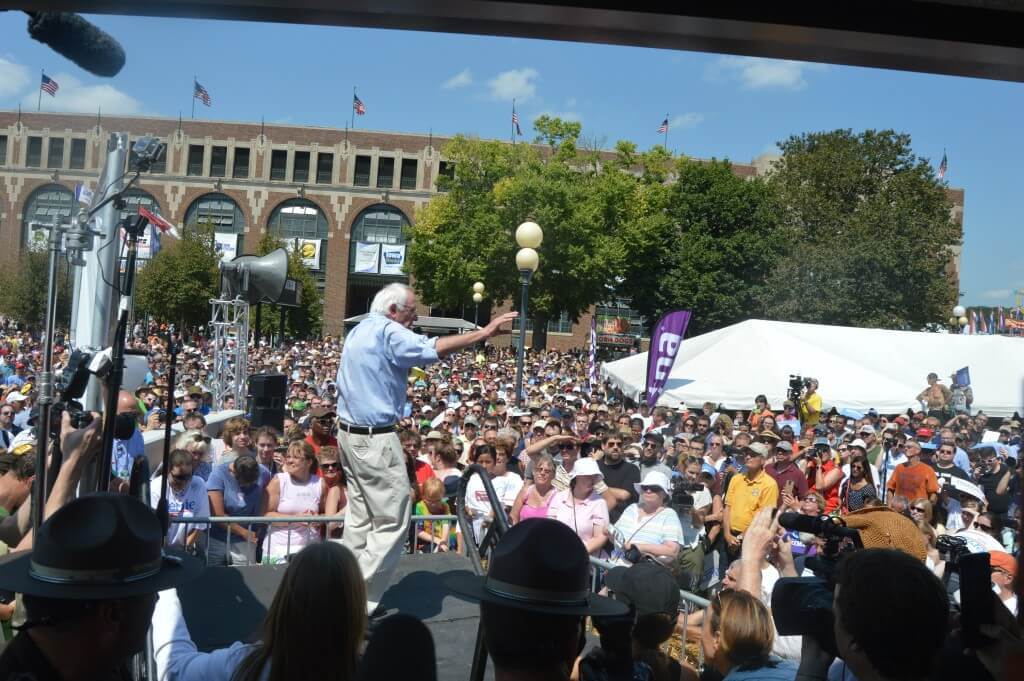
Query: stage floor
[417, 589]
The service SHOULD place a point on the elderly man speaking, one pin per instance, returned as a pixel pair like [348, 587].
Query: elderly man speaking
[372, 381]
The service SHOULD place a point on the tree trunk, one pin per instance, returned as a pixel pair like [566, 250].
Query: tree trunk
[540, 332]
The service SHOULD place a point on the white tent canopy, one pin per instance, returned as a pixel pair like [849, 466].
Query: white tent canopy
[856, 368]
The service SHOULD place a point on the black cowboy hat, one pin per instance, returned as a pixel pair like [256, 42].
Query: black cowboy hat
[98, 547]
[542, 566]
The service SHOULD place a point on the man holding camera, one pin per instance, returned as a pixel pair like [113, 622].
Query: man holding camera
[810, 404]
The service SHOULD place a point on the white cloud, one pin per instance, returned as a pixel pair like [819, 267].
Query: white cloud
[570, 103]
[460, 79]
[997, 294]
[14, 78]
[685, 121]
[75, 97]
[758, 73]
[516, 84]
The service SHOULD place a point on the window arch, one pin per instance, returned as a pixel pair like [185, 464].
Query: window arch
[45, 203]
[380, 224]
[302, 219]
[134, 198]
[220, 211]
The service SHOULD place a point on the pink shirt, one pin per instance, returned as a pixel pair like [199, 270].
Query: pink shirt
[583, 517]
[528, 511]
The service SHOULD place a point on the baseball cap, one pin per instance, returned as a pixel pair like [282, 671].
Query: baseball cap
[784, 446]
[757, 449]
[434, 435]
[859, 443]
[1003, 561]
[471, 421]
[867, 428]
[655, 437]
[925, 432]
[822, 441]
[649, 588]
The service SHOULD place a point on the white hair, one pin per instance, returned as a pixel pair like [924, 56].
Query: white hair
[392, 294]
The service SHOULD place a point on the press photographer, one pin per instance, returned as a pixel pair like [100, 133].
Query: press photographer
[807, 400]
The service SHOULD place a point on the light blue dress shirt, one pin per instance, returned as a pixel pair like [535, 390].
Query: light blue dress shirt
[374, 370]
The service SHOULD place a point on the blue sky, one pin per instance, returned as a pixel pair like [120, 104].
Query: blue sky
[721, 106]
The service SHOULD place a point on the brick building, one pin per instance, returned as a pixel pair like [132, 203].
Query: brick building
[346, 195]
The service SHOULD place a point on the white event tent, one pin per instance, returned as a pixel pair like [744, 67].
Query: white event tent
[857, 368]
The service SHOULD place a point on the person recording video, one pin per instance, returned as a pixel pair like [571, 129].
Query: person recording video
[809, 404]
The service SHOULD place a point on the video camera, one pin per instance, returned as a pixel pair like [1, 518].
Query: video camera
[796, 387]
[802, 606]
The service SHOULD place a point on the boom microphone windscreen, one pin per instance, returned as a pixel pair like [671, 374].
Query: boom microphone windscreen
[78, 40]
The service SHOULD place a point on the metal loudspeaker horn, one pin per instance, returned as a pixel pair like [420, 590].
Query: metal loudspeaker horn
[254, 278]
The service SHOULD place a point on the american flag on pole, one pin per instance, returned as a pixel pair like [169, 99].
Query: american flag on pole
[593, 353]
[160, 223]
[201, 93]
[943, 166]
[515, 122]
[49, 86]
[358, 106]
[663, 128]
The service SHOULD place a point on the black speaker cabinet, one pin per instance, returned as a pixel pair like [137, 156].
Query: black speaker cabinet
[267, 399]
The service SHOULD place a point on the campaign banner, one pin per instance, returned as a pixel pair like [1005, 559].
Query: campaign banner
[392, 259]
[225, 244]
[665, 341]
[367, 258]
[309, 251]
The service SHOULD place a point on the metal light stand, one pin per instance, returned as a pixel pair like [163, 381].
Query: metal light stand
[229, 320]
[79, 239]
[520, 358]
[133, 228]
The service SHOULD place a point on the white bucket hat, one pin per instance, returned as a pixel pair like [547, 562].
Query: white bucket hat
[586, 466]
[651, 479]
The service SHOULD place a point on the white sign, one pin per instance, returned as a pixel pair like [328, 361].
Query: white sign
[226, 245]
[367, 258]
[309, 250]
[392, 258]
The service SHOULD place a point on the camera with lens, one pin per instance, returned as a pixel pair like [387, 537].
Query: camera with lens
[70, 386]
[795, 388]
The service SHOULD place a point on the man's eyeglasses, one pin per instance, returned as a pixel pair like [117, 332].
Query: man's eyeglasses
[613, 444]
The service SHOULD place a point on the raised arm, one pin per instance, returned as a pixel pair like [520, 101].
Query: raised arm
[449, 344]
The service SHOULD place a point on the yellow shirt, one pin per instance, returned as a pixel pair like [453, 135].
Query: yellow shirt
[808, 420]
[746, 497]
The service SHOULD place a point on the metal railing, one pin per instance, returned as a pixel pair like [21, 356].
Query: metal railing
[262, 525]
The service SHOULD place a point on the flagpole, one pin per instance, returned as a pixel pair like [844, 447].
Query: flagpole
[353, 107]
[666, 131]
[195, 79]
[39, 104]
[513, 122]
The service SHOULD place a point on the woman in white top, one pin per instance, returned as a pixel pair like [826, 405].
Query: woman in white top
[322, 597]
[186, 498]
[506, 483]
[478, 506]
[294, 491]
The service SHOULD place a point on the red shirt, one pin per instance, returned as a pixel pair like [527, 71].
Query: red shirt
[423, 473]
[331, 442]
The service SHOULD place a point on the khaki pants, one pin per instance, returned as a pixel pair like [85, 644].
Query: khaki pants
[379, 507]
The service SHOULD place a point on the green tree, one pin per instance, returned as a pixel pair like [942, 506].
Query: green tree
[467, 233]
[177, 284]
[305, 320]
[23, 290]
[869, 231]
[706, 241]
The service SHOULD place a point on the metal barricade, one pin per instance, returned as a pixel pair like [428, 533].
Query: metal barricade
[262, 525]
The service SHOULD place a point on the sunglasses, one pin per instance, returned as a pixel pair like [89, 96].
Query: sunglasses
[979, 526]
[181, 478]
[566, 446]
[649, 488]
[325, 420]
[613, 443]
[918, 509]
[329, 466]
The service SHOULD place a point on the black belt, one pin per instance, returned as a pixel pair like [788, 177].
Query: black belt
[366, 430]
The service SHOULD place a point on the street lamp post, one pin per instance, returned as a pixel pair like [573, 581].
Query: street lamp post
[529, 237]
[478, 296]
[959, 319]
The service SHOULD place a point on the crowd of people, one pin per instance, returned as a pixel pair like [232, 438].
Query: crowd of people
[683, 496]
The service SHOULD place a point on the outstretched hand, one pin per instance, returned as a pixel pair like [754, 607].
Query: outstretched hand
[495, 327]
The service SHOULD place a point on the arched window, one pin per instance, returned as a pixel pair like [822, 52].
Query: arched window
[302, 219]
[220, 211]
[43, 205]
[380, 224]
[138, 197]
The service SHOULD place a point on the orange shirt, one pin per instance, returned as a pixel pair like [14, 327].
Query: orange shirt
[916, 481]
